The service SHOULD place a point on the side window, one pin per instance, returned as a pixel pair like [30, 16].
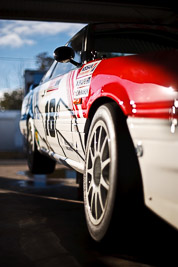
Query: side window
[48, 74]
[62, 68]
[76, 43]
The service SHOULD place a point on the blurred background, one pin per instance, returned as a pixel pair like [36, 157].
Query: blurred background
[26, 53]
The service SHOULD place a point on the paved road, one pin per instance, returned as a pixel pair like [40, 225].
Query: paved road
[42, 224]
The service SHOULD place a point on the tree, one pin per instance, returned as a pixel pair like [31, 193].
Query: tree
[44, 61]
[12, 100]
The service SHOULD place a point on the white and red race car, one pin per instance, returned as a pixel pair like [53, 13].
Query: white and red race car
[108, 108]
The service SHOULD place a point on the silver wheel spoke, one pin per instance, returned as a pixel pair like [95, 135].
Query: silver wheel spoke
[90, 187]
[104, 183]
[100, 200]
[99, 139]
[92, 201]
[105, 163]
[91, 155]
[95, 144]
[103, 145]
[90, 171]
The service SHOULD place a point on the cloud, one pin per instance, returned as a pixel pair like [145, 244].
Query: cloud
[14, 40]
[18, 33]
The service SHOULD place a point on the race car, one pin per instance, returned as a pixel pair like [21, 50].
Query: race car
[108, 108]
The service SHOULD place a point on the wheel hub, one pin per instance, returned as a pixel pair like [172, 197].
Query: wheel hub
[97, 171]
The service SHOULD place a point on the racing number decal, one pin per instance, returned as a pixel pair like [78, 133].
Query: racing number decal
[52, 108]
[50, 117]
[46, 118]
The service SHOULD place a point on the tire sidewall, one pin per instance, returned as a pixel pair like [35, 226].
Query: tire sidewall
[30, 154]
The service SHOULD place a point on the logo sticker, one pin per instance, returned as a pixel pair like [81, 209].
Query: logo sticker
[83, 80]
[88, 69]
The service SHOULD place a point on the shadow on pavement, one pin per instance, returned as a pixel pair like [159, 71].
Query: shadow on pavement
[42, 223]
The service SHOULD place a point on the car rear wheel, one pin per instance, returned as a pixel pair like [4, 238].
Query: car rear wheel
[37, 162]
[100, 176]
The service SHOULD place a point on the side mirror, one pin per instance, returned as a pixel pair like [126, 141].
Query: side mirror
[63, 54]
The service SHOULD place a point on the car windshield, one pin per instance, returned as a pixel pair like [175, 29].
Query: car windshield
[123, 42]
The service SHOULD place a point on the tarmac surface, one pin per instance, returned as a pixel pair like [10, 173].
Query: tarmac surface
[42, 223]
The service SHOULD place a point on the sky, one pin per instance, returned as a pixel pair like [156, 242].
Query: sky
[21, 41]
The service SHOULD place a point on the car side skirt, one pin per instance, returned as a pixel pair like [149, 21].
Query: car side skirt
[77, 166]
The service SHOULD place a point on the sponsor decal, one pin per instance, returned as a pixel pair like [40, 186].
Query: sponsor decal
[88, 69]
[54, 85]
[83, 80]
[81, 93]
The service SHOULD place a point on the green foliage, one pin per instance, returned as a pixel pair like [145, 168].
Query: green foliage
[12, 100]
[44, 61]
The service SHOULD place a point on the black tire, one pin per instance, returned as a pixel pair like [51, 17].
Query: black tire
[100, 176]
[37, 162]
[79, 181]
[112, 181]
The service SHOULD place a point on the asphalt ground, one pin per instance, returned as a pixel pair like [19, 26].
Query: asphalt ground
[42, 223]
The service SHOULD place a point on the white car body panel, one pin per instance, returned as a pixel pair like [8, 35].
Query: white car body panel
[158, 165]
[53, 100]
